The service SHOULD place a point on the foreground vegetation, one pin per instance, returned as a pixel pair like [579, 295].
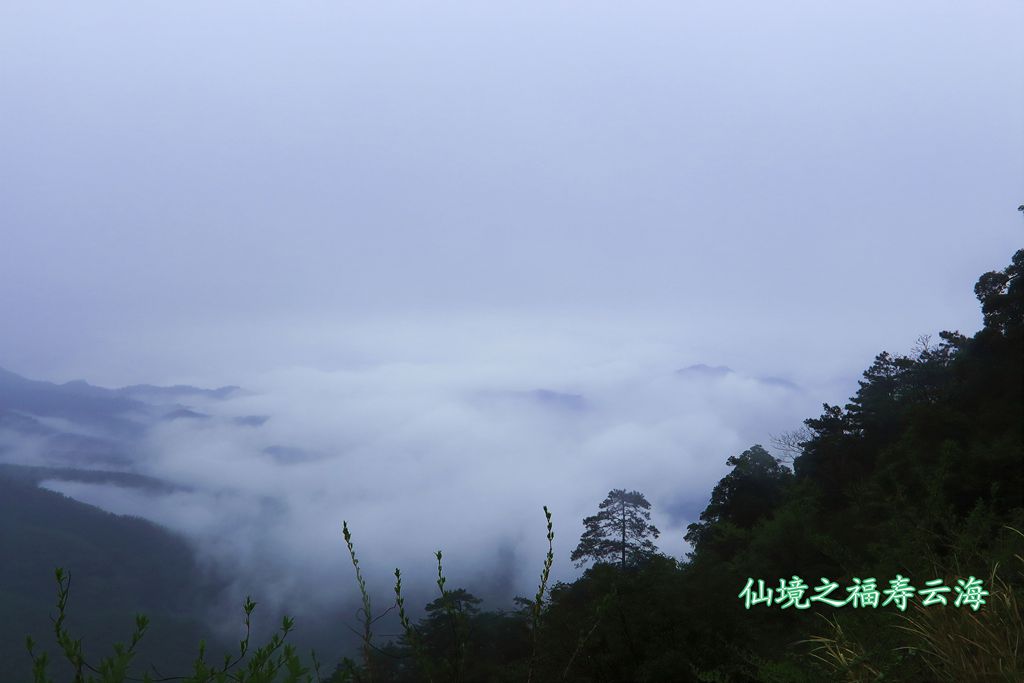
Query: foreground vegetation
[921, 475]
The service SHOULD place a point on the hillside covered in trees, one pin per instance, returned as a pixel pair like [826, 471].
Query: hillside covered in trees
[919, 475]
[121, 566]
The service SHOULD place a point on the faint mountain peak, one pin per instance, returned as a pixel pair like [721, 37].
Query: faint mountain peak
[780, 382]
[559, 399]
[702, 370]
[151, 391]
[289, 455]
[547, 399]
[77, 401]
[251, 420]
[183, 413]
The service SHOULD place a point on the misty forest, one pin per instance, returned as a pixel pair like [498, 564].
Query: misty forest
[511, 342]
[920, 474]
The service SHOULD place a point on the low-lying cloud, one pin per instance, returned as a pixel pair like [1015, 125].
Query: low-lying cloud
[420, 449]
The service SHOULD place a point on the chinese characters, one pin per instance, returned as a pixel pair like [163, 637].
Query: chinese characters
[863, 593]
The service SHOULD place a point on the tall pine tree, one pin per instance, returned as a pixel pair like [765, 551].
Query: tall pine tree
[620, 531]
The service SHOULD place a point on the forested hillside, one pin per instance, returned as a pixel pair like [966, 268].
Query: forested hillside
[120, 566]
[920, 475]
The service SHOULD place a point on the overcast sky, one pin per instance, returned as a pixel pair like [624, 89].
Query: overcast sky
[832, 176]
[382, 215]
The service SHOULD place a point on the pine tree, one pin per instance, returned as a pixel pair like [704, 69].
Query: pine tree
[621, 530]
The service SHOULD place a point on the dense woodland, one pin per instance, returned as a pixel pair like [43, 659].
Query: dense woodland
[921, 474]
[120, 566]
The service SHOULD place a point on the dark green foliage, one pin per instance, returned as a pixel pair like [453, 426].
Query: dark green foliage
[621, 532]
[270, 663]
[921, 473]
[745, 496]
[121, 566]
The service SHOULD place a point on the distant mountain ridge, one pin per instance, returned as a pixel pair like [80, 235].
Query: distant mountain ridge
[79, 425]
[64, 400]
[77, 401]
[178, 390]
[116, 411]
[701, 371]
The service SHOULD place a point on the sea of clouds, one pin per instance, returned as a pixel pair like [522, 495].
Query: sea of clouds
[448, 437]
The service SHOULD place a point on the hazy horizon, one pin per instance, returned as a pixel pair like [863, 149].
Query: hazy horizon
[458, 253]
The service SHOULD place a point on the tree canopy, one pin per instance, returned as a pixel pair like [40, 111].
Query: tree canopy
[620, 531]
[919, 474]
[748, 494]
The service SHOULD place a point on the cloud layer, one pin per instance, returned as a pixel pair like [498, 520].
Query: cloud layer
[440, 450]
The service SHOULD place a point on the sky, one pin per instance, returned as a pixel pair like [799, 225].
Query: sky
[396, 222]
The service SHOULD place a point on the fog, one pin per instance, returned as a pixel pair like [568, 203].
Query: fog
[800, 170]
[434, 451]
[457, 255]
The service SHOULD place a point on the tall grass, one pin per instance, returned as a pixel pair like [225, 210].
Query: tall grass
[964, 645]
[365, 613]
[954, 645]
[539, 599]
